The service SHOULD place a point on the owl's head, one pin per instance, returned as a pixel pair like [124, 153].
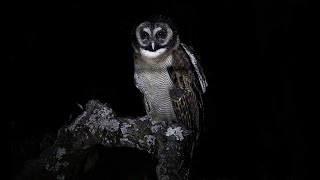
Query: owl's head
[155, 36]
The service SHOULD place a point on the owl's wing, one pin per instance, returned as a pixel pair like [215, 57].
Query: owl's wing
[196, 67]
[188, 85]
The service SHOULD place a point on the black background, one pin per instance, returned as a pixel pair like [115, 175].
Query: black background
[63, 53]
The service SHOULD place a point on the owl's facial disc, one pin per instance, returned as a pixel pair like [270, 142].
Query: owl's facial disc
[163, 33]
[153, 38]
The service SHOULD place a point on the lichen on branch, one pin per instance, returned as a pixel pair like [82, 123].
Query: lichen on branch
[98, 124]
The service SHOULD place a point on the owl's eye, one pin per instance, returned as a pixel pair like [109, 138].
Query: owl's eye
[161, 34]
[144, 35]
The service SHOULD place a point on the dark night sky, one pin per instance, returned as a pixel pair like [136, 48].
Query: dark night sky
[67, 53]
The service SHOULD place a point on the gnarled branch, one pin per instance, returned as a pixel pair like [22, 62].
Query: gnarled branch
[99, 125]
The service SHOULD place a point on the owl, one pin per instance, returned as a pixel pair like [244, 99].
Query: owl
[168, 74]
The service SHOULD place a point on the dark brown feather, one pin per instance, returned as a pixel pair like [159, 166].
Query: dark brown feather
[186, 97]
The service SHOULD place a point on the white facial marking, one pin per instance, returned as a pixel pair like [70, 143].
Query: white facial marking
[169, 34]
[147, 30]
[156, 30]
[138, 30]
[151, 54]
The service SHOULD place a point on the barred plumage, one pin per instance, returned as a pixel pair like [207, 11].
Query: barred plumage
[154, 81]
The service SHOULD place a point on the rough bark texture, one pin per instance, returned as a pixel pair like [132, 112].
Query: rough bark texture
[99, 125]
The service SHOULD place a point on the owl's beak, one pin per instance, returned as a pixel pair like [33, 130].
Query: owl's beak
[152, 45]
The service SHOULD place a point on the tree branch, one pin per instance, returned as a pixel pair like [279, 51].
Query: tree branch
[99, 125]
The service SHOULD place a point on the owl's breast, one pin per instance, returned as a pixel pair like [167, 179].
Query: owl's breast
[155, 84]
